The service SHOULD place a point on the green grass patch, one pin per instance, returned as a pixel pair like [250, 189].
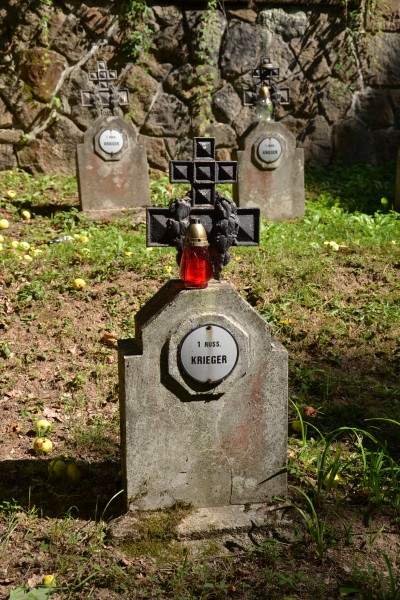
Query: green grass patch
[329, 286]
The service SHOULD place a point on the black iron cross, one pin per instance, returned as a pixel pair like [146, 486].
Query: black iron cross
[225, 224]
[203, 172]
[263, 75]
[104, 94]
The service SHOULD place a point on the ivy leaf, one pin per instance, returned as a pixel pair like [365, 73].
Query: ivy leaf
[34, 594]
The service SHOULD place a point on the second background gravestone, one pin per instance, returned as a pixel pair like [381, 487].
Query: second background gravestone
[270, 167]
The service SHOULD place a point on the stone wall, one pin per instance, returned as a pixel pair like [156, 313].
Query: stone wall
[341, 63]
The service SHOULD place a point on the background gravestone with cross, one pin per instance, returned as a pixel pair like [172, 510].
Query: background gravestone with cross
[203, 384]
[111, 164]
[270, 167]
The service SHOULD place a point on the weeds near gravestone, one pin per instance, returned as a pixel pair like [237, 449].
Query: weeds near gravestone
[356, 468]
[316, 526]
[372, 581]
[380, 472]
[348, 461]
[15, 516]
[393, 593]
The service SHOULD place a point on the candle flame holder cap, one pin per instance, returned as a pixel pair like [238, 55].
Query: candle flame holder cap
[195, 234]
[266, 63]
[264, 92]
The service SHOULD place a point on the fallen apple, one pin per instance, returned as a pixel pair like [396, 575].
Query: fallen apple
[26, 215]
[310, 412]
[57, 468]
[42, 426]
[79, 283]
[4, 224]
[77, 470]
[49, 580]
[42, 445]
[337, 480]
[297, 426]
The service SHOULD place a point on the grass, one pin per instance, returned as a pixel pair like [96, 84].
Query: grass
[329, 287]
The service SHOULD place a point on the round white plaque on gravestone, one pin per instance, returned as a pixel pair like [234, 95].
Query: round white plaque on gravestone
[111, 141]
[269, 150]
[208, 353]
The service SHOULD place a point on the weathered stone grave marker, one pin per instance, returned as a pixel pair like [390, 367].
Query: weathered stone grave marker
[203, 385]
[112, 165]
[270, 167]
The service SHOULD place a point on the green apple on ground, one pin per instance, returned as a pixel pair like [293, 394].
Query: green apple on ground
[297, 426]
[26, 215]
[79, 283]
[57, 468]
[42, 445]
[336, 480]
[77, 470]
[49, 580]
[42, 426]
[4, 224]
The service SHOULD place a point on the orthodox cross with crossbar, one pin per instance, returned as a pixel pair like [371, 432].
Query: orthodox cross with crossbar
[264, 75]
[104, 95]
[225, 224]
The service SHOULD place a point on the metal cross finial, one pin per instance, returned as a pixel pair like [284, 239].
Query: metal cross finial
[263, 75]
[225, 224]
[104, 95]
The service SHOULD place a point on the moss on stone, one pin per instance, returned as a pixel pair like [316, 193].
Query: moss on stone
[156, 534]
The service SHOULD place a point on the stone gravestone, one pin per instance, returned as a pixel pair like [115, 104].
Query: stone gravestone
[270, 167]
[203, 385]
[111, 164]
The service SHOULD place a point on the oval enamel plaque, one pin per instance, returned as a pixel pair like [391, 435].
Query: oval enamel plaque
[111, 141]
[208, 354]
[269, 150]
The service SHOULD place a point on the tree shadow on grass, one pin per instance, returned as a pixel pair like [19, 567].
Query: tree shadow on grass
[359, 394]
[47, 210]
[26, 484]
